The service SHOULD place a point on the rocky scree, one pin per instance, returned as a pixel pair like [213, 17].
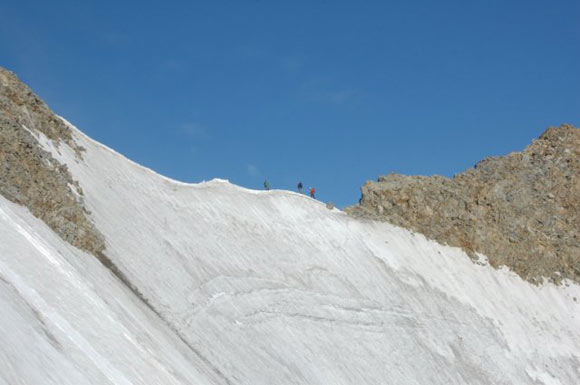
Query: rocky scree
[30, 176]
[521, 210]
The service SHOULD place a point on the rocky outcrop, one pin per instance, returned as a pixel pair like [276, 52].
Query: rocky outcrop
[521, 210]
[30, 176]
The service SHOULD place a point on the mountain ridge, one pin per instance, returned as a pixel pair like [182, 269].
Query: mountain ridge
[213, 283]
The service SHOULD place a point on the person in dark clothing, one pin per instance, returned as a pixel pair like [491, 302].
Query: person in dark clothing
[300, 187]
[266, 185]
[312, 191]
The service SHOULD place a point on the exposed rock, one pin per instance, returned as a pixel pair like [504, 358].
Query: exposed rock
[30, 176]
[521, 210]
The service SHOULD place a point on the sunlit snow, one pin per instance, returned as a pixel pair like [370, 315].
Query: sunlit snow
[261, 287]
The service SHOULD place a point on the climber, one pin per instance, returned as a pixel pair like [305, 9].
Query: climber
[312, 191]
[300, 187]
[266, 185]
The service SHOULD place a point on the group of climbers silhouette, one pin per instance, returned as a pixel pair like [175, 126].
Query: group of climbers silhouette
[312, 191]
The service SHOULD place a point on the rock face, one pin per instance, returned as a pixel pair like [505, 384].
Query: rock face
[30, 176]
[521, 210]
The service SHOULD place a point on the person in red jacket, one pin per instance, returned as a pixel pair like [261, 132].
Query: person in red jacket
[312, 191]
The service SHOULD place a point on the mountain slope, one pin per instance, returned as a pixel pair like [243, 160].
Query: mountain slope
[229, 285]
[67, 320]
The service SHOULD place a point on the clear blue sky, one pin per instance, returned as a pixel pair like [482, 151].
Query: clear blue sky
[332, 93]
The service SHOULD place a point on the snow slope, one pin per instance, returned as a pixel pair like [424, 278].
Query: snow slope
[255, 287]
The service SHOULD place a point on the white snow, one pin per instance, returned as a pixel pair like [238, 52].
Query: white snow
[261, 287]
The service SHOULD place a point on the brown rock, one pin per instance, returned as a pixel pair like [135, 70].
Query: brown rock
[30, 176]
[521, 210]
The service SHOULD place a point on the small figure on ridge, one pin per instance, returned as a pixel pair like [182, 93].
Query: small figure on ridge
[300, 187]
[312, 191]
[266, 185]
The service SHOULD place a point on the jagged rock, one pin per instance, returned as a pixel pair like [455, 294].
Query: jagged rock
[30, 176]
[521, 210]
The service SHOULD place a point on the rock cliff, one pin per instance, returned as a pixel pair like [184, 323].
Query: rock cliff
[30, 176]
[521, 210]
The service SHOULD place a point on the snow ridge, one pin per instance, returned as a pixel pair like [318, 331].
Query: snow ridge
[267, 288]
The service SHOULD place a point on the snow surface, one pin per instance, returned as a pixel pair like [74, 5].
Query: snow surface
[261, 287]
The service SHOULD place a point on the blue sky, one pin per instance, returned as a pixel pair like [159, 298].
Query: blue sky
[332, 93]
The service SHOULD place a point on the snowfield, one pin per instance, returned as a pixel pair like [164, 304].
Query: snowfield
[261, 287]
